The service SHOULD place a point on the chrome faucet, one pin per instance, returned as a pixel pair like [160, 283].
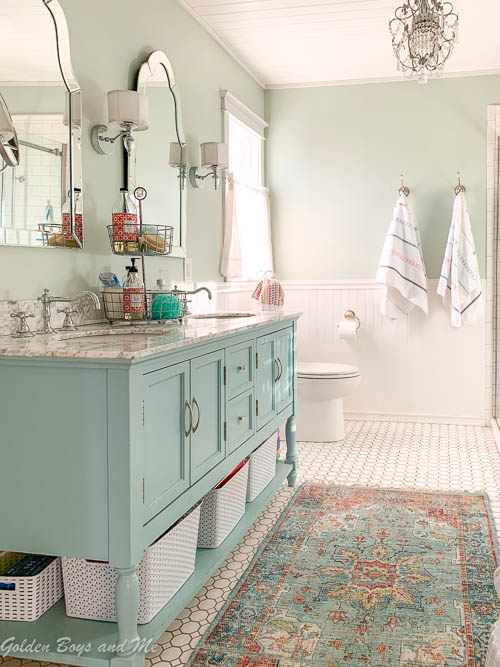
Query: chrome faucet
[80, 299]
[200, 289]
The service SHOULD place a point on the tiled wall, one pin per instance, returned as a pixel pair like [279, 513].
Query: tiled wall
[36, 183]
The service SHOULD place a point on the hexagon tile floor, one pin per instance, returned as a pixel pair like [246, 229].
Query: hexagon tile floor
[383, 454]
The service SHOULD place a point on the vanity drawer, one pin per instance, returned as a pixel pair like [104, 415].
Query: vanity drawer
[239, 365]
[240, 420]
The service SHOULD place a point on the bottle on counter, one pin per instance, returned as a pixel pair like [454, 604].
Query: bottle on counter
[134, 304]
[77, 217]
[125, 228]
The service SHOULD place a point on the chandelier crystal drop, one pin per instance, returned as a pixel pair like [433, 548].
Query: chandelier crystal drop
[424, 33]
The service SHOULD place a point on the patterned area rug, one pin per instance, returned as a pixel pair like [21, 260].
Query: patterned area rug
[358, 576]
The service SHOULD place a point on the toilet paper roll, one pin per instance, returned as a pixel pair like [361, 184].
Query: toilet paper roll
[348, 330]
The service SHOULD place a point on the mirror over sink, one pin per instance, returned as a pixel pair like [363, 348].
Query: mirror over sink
[157, 149]
[40, 191]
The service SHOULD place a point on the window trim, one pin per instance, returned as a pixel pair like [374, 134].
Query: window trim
[231, 105]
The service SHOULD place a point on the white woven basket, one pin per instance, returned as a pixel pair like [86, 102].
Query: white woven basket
[262, 467]
[89, 587]
[221, 510]
[31, 596]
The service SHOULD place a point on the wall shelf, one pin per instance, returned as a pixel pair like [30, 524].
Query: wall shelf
[54, 624]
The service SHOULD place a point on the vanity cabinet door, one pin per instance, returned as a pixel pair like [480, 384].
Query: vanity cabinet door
[166, 446]
[208, 447]
[284, 353]
[266, 376]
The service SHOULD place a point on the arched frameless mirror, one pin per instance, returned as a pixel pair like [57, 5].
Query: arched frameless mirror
[40, 195]
[148, 165]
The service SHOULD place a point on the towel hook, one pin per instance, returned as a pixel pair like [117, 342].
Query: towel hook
[403, 190]
[459, 188]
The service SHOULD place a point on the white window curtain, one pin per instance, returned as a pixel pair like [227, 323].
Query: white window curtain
[247, 233]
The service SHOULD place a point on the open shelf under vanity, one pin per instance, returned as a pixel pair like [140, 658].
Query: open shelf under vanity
[54, 624]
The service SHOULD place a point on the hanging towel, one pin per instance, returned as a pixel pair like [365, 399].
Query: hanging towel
[401, 268]
[460, 282]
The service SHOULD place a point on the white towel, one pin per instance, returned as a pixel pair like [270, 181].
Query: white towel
[401, 268]
[460, 282]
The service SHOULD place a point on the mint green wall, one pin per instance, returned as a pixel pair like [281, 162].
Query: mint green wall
[334, 158]
[109, 41]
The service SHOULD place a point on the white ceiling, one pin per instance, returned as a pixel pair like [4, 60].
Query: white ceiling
[27, 43]
[309, 42]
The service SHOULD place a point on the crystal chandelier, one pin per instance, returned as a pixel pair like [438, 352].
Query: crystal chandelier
[424, 33]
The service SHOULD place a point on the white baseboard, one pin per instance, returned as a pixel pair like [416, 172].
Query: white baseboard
[416, 419]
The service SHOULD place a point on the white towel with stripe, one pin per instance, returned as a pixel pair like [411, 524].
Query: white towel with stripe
[460, 282]
[401, 268]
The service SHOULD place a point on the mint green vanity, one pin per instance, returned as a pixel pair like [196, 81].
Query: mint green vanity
[105, 446]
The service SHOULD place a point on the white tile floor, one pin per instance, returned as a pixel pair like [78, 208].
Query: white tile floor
[386, 454]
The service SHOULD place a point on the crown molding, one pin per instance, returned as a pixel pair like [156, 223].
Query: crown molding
[386, 79]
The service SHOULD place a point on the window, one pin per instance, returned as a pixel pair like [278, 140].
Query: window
[247, 228]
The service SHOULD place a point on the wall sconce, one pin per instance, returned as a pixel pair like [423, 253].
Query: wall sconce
[178, 160]
[214, 158]
[128, 112]
[9, 145]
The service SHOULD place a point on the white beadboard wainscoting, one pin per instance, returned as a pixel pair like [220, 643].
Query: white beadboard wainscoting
[421, 369]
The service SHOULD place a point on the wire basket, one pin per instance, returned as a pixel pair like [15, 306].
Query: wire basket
[138, 304]
[56, 236]
[127, 238]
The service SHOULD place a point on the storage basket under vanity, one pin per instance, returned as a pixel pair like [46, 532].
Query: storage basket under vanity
[89, 586]
[26, 598]
[222, 508]
[261, 467]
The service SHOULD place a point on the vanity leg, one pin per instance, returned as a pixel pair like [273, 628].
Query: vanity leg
[127, 609]
[291, 456]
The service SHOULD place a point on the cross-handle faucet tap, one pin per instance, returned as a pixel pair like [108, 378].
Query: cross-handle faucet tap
[46, 299]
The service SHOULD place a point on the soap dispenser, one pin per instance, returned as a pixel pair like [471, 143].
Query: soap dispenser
[134, 305]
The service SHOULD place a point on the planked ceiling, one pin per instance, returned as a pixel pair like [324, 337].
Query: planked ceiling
[288, 43]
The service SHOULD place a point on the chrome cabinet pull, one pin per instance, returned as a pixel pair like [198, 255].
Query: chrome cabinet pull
[277, 377]
[281, 369]
[241, 369]
[188, 406]
[242, 418]
[195, 402]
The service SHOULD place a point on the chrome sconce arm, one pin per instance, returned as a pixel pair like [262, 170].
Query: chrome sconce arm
[104, 144]
[198, 181]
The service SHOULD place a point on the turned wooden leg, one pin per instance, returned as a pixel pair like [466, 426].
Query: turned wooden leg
[127, 609]
[291, 456]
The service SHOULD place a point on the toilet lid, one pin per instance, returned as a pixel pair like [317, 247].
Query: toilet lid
[308, 369]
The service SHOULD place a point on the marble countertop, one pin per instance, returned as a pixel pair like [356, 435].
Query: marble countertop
[102, 341]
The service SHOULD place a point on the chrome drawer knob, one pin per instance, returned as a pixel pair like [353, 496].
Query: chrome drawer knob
[241, 369]
[242, 418]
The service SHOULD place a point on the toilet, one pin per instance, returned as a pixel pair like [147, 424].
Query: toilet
[320, 410]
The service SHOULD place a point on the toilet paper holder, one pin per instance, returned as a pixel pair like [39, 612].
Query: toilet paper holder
[351, 316]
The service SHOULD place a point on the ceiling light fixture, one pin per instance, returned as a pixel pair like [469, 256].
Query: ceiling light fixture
[424, 33]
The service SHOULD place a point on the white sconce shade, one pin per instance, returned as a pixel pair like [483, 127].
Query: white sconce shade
[177, 157]
[128, 106]
[214, 154]
[76, 109]
[6, 129]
